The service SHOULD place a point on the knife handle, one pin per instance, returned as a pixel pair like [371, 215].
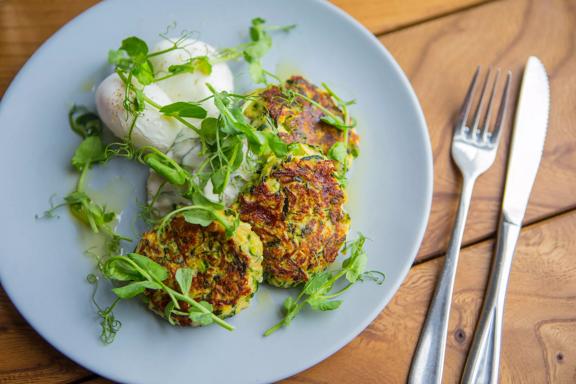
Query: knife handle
[484, 355]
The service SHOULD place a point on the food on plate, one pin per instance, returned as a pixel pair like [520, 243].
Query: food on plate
[303, 113]
[225, 271]
[297, 209]
[151, 128]
[191, 62]
[243, 186]
[197, 64]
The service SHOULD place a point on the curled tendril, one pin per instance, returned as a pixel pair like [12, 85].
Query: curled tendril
[126, 150]
[109, 324]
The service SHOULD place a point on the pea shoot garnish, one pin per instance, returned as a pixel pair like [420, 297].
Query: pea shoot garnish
[140, 273]
[317, 293]
[90, 152]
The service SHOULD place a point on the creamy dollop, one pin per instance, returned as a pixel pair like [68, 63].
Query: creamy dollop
[191, 86]
[151, 127]
[166, 133]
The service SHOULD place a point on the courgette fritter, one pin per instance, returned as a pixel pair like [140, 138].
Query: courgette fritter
[297, 119]
[297, 210]
[226, 271]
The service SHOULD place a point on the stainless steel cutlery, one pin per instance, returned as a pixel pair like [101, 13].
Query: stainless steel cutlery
[526, 149]
[474, 149]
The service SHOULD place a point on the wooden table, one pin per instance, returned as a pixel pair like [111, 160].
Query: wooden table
[438, 43]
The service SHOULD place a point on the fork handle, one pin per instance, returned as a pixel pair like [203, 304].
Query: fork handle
[429, 357]
[484, 357]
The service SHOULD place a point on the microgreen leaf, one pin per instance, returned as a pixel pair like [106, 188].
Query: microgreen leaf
[276, 144]
[87, 211]
[184, 109]
[289, 304]
[324, 305]
[89, 152]
[316, 283]
[184, 278]
[208, 129]
[356, 263]
[168, 312]
[155, 270]
[218, 180]
[199, 216]
[201, 200]
[144, 73]
[199, 63]
[199, 316]
[338, 152]
[121, 270]
[134, 289]
[252, 52]
[334, 121]
[136, 48]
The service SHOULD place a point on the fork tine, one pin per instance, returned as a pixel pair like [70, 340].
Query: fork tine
[476, 119]
[484, 131]
[495, 136]
[463, 116]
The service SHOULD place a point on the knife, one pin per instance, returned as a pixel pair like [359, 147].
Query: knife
[526, 151]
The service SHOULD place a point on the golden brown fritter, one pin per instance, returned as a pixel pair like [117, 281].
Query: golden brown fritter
[297, 210]
[227, 271]
[297, 119]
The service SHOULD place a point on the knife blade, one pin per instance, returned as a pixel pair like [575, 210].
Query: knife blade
[528, 137]
[530, 125]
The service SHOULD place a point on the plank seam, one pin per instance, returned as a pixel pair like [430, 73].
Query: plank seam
[380, 34]
[492, 235]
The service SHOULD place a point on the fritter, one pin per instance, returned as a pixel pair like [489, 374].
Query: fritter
[226, 271]
[297, 210]
[297, 119]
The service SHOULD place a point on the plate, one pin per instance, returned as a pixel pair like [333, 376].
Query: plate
[43, 267]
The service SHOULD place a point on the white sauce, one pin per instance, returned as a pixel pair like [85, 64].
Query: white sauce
[151, 128]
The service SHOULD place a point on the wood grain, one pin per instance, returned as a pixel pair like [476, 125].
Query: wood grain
[25, 357]
[26, 24]
[440, 56]
[384, 16]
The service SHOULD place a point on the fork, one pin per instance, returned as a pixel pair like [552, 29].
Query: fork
[473, 150]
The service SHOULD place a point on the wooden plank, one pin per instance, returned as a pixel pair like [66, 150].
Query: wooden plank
[539, 319]
[439, 57]
[27, 24]
[384, 16]
[25, 357]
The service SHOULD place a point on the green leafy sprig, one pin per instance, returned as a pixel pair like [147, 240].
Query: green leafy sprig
[108, 323]
[141, 273]
[254, 51]
[318, 293]
[90, 152]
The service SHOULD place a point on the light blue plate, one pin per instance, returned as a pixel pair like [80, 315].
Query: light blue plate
[43, 267]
